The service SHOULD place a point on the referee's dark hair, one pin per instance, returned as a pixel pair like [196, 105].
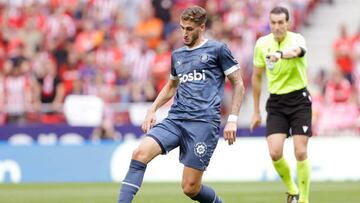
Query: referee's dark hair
[280, 10]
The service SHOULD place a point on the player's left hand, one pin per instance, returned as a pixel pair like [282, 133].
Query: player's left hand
[149, 122]
[230, 132]
[273, 57]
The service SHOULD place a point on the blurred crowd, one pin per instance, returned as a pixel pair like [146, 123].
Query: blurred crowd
[336, 92]
[118, 50]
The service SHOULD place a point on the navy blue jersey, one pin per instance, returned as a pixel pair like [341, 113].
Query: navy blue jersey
[201, 72]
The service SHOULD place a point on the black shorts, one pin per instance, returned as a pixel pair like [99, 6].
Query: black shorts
[289, 113]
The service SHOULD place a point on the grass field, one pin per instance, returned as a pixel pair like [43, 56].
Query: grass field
[266, 192]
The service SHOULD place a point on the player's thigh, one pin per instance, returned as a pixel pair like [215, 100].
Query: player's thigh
[167, 134]
[198, 144]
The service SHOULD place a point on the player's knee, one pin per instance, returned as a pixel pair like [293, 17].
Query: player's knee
[139, 155]
[190, 189]
[276, 154]
[300, 154]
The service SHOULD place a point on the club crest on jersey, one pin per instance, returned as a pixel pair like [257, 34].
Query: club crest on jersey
[196, 75]
[204, 58]
[200, 149]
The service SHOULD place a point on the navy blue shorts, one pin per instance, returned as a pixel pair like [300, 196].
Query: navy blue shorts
[197, 140]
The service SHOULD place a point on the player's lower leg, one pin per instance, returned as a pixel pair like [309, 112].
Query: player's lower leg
[283, 170]
[132, 181]
[207, 195]
[303, 176]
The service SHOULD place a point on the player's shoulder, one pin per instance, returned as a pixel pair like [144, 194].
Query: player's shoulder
[179, 50]
[295, 35]
[264, 40]
[210, 44]
[216, 43]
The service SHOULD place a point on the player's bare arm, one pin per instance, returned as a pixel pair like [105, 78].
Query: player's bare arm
[289, 53]
[256, 81]
[164, 96]
[238, 89]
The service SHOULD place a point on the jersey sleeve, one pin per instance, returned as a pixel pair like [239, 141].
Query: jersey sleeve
[227, 62]
[259, 59]
[173, 74]
[300, 41]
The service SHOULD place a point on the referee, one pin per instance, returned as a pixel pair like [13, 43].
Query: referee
[283, 55]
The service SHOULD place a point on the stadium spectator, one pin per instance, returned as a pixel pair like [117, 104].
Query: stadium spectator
[18, 87]
[337, 89]
[339, 111]
[149, 27]
[50, 90]
[161, 65]
[343, 53]
[139, 60]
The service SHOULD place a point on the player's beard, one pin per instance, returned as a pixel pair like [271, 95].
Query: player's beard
[193, 39]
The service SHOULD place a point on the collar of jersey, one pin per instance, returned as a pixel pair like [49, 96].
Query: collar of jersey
[284, 40]
[198, 46]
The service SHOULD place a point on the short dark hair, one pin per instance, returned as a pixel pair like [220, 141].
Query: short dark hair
[280, 10]
[195, 14]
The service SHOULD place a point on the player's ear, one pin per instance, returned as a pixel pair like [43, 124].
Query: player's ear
[202, 27]
[289, 25]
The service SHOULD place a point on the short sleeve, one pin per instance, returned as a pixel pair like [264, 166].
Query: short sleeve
[173, 74]
[300, 41]
[227, 62]
[259, 59]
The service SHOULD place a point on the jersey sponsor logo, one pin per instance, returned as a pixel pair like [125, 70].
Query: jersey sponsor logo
[192, 76]
[200, 149]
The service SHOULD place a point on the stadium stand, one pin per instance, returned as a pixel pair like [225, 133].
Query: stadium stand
[116, 50]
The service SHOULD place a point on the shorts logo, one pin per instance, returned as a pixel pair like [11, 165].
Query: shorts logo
[200, 149]
[305, 128]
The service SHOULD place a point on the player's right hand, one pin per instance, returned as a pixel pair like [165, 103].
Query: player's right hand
[149, 122]
[255, 121]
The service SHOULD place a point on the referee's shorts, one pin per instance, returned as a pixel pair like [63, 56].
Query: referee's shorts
[289, 113]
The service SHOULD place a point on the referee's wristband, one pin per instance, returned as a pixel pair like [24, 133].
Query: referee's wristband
[232, 118]
[281, 53]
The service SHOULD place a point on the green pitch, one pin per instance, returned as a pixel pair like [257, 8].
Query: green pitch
[265, 192]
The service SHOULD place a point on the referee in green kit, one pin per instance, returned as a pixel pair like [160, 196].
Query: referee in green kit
[282, 54]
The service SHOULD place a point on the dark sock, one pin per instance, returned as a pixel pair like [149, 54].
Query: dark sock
[132, 181]
[207, 195]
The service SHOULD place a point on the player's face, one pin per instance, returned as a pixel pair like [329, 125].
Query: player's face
[191, 32]
[278, 25]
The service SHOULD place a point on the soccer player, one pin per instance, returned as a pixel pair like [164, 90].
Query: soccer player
[283, 55]
[197, 78]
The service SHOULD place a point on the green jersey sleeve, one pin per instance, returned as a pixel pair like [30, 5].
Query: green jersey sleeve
[259, 59]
